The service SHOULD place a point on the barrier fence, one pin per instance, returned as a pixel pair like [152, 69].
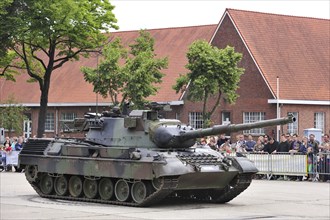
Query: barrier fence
[9, 158]
[314, 166]
[292, 164]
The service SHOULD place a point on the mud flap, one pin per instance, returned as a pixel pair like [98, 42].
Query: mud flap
[244, 165]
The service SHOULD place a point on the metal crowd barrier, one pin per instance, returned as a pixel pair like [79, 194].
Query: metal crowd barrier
[292, 164]
[9, 158]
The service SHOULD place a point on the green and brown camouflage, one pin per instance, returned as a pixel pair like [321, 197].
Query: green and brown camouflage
[137, 160]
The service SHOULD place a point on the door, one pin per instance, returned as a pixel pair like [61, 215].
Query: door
[226, 120]
[27, 128]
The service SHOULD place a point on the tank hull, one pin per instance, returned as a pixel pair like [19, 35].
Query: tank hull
[138, 177]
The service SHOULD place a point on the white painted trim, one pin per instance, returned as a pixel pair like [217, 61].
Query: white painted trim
[80, 104]
[248, 49]
[298, 102]
[180, 102]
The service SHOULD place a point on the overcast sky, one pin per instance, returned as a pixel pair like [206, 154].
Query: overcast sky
[136, 14]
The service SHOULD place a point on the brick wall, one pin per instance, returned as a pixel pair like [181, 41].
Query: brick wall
[253, 91]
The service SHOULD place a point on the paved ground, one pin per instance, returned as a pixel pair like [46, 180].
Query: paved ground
[262, 200]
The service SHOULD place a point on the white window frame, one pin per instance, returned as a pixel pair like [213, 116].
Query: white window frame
[293, 128]
[319, 120]
[50, 121]
[196, 120]
[250, 117]
[67, 117]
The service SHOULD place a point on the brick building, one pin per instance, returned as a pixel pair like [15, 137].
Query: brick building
[292, 52]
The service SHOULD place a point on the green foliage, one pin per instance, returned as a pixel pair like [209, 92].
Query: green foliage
[134, 80]
[33, 29]
[107, 78]
[12, 116]
[39, 36]
[213, 71]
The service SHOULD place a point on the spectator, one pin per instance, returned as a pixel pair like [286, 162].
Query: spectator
[271, 146]
[14, 143]
[283, 146]
[266, 139]
[226, 147]
[326, 141]
[261, 138]
[295, 146]
[310, 163]
[258, 147]
[7, 141]
[3, 158]
[313, 143]
[221, 140]
[213, 143]
[204, 144]
[324, 159]
[8, 148]
[19, 144]
[250, 143]
[289, 138]
[240, 146]
[304, 145]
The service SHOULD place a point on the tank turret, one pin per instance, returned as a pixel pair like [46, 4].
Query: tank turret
[143, 128]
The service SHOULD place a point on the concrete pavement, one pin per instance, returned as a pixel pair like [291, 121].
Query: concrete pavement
[262, 200]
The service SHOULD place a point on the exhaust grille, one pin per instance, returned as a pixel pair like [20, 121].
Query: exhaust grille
[35, 146]
[200, 159]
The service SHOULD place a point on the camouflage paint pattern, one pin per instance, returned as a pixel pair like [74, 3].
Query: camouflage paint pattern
[142, 147]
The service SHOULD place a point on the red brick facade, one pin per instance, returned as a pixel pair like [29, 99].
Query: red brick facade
[253, 91]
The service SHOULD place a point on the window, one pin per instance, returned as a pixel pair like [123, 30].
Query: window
[225, 118]
[319, 120]
[293, 127]
[67, 121]
[196, 119]
[49, 124]
[250, 117]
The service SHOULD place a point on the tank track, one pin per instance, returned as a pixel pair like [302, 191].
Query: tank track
[231, 191]
[236, 187]
[164, 190]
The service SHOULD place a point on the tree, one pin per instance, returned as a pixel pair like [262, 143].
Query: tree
[40, 36]
[12, 116]
[213, 71]
[134, 80]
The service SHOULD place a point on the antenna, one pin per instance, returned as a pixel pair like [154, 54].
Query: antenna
[98, 79]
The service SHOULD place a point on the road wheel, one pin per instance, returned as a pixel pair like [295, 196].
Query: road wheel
[106, 188]
[31, 173]
[90, 188]
[75, 186]
[122, 190]
[46, 184]
[139, 191]
[61, 185]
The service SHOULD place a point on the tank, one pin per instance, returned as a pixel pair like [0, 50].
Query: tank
[137, 160]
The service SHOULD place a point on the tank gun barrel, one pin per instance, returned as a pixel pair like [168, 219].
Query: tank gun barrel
[220, 129]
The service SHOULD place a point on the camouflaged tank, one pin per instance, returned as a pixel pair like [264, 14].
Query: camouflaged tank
[138, 160]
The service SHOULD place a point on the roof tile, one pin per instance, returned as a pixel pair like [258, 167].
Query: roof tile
[296, 49]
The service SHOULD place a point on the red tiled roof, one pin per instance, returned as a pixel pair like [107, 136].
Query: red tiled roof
[296, 49]
[68, 85]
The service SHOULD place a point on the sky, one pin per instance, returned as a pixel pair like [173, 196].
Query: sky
[136, 14]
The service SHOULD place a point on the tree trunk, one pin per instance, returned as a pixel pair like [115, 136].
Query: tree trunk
[204, 110]
[42, 114]
[43, 105]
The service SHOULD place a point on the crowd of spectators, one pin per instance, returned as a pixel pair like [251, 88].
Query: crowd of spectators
[6, 149]
[318, 154]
